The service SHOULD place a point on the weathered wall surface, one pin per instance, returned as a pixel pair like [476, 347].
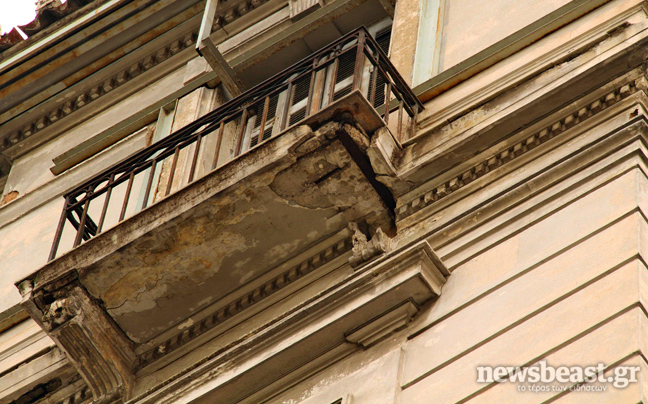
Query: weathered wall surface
[472, 26]
[459, 38]
[522, 300]
[558, 275]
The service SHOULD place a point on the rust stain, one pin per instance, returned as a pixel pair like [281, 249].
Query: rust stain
[9, 197]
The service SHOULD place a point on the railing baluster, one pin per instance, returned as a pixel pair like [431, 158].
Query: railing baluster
[174, 163]
[241, 131]
[104, 209]
[219, 139]
[81, 229]
[194, 159]
[149, 184]
[59, 230]
[127, 197]
[387, 101]
[320, 92]
[264, 116]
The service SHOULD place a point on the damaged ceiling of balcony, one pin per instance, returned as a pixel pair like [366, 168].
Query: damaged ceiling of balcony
[189, 262]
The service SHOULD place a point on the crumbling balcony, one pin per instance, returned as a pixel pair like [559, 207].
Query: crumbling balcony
[226, 217]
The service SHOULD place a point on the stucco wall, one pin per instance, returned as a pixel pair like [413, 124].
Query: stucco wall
[559, 278]
[471, 26]
[450, 32]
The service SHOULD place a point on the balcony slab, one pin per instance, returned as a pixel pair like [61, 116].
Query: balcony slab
[178, 256]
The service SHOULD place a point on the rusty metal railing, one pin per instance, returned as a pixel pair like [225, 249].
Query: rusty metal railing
[355, 62]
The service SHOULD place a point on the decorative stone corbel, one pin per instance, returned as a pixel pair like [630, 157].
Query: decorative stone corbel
[97, 348]
[363, 249]
[42, 4]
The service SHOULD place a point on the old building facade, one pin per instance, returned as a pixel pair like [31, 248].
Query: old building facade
[323, 202]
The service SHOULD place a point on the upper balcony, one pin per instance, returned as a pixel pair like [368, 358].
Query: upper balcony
[223, 219]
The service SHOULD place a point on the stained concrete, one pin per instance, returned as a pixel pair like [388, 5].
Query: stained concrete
[232, 238]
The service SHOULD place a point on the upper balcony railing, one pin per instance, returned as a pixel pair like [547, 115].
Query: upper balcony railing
[355, 62]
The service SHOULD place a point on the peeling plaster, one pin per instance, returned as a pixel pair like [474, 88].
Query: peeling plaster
[233, 237]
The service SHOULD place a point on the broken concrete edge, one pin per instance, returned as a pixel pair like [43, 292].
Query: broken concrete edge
[92, 342]
[217, 181]
[388, 281]
[97, 348]
[384, 153]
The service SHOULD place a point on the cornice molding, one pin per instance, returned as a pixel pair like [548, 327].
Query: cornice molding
[575, 117]
[376, 300]
[124, 76]
[100, 90]
[255, 296]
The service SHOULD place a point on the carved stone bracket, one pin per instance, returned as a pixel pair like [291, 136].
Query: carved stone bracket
[363, 249]
[96, 347]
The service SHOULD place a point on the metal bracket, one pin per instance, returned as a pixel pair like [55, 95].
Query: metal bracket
[206, 48]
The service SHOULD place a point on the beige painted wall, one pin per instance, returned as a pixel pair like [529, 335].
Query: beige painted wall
[560, 277]
[565, 290]
[471, 26]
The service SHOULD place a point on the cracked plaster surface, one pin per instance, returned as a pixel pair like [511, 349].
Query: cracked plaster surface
[169, 274]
